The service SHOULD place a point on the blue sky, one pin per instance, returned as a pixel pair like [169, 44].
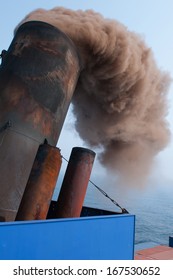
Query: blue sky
[153, 19]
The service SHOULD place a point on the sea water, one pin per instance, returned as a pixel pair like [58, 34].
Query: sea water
[154, 216]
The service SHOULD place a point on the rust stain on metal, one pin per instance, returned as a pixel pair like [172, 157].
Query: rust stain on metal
[23, 42]
[75, 183]
[39, 80]
[41, 183]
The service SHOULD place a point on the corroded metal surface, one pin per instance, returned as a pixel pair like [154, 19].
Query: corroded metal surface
[38, 75]
[75, 183]
[41, 184]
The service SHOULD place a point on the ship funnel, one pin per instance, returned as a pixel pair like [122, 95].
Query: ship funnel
[74, 186]
[38, 76]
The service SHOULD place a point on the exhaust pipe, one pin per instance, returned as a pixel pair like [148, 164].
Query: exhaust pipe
[38, 76]
[74, 186]
[41, 183]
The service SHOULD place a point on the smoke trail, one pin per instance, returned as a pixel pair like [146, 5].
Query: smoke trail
[120, 101]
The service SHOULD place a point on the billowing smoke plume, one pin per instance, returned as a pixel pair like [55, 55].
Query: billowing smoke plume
[120, 100]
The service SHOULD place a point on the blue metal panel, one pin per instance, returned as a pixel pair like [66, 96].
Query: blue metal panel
[95, 238]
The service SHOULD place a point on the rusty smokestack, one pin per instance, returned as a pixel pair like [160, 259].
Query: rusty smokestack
[74, 186]
[38, 76]
[41, 184]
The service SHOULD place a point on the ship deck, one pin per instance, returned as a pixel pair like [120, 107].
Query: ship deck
[155, 252]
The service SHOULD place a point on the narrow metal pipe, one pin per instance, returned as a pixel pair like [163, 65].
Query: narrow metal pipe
[41, 184]
[75, 183]
[38, 75]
